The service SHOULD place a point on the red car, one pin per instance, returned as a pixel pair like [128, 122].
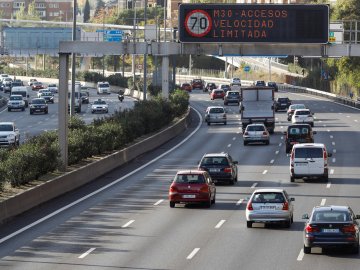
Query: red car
[192, 186]
[186, 87]
[37, 86]
[217, 94]
[197, 84]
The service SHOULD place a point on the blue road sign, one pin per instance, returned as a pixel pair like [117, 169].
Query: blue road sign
[113, 39]
[114, 32]
[247, 68]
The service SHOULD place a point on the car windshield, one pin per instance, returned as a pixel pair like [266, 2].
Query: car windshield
[233, 93]
[255, 128]
[216, 110]
[268, 197]
[211, 84]
[331, 216]
[38, 101]
[99, 102]
[215, 161]
[302, 113]
[299, 131]
[186, 84]
[104, 85]
[197, 81]
[6, 127]
[16, 98]
[190, 179]
[309, 152]
[297, 106]
[225, 86]
[52, 85]
[283, 99]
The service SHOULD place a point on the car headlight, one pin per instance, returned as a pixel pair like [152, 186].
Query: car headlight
[11, 137]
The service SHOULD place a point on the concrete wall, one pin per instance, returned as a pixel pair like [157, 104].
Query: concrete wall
[72, 180]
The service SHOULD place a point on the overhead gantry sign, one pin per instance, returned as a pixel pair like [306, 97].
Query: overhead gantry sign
[215, 23]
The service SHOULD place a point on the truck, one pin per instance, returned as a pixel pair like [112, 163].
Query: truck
[257, 106]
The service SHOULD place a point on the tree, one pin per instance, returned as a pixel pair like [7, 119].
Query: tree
[100, 5]
[347, 10]
[30, 14]
[86, 11]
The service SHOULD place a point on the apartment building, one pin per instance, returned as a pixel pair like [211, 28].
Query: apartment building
[51, 10]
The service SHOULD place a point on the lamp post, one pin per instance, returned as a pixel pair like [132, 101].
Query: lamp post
[145, 55]
[73, 63]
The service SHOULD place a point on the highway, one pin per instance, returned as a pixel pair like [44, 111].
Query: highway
[123, 220]
[30, 125]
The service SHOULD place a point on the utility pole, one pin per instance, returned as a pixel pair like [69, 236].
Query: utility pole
[145, 55]
[73, 63]
[134, 40]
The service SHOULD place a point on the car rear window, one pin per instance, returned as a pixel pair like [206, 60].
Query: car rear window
[190, 178]
[215, 161]
[255, 128]
[299, 131]
[331, 216]
[216, 110]
[282, 99]
[311, 152]
[268, 197]
[233, 93]
[302, 113]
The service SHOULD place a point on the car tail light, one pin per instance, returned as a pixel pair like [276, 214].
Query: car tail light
[249, 206]
[311, 229]
[204, 189]
[265, 133]
[349, 229]
[227, 170]
[173, 190]
[285, 206]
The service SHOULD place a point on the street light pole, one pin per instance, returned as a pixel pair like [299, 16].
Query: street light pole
[73, 63]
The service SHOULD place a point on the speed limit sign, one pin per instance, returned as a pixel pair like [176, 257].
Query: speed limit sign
[198, 23]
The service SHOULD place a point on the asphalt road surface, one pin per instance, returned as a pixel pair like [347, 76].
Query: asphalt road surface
[123, 220]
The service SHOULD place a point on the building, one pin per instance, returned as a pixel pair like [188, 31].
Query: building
[50, 10]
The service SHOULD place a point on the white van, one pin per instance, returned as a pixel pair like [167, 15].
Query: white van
[21, 90]
[309, 160]
[103, 88]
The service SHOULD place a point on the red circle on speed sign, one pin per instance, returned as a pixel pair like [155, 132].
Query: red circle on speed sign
[198, 23]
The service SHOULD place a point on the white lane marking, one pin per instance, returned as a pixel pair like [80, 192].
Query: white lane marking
[332, 171]
[328, 185]
[280, 144]
[277, 152]
[221, 222]
[229, 145]
[282, 137]
[331, 136]
[193, 253]
[264, 172]
[105, 187]
[234, 138]
[86, 253]
[254, 185]
[128, 224]
[301, 255]
[355, 120]
[348, 116]
[323, 201]
[158, 202]
[272, 161]
[238, 132]
[334, 160]
[239, 201]
[334, 150]
[333, 143]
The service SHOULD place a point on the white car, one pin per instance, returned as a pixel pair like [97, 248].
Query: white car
[52, 87]
[16, 102]
[256, 133]
[301, 116]
[103, 88]
[215, 114]
[270, 206]
[9, 134]
[309, 160]
[99, 106]
[235, 81]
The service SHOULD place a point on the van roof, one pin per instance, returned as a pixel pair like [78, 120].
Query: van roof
[306, 145]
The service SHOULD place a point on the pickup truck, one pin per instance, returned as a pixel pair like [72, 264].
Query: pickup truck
[9, 134]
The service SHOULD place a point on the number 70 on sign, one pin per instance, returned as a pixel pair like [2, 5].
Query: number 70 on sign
[198, 23]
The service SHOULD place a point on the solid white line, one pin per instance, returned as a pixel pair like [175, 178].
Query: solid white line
[192, 254]
[328, 185]
[221, 222]
[272, 161]
[323, 201]
[239, 201]
[301, 255]
[334, 160]
[229, 145]
[104, 187]
[86, 253]
[332, 171]
[328, 130]
[277, 152]
[158, 202]
[264, 172]
[127, 224]
[254, 185]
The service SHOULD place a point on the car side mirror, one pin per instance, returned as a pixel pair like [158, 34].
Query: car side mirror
[292, 199]
[305, 216]
[235, 162]
[329, 154]
[16, 129]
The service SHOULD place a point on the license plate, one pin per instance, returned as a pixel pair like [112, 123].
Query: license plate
[189, 196]
[214, 170]
[268, 207]
[282, 104]
[331, 230]
[300, 164]
[37, 110]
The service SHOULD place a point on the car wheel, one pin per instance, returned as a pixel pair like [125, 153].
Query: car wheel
[292, 219]
[245, 143]
[312, 124]
[225, 123]
[172, 204]
[232, 182]
[208, 203]
[23, 108]
[208, 123]
[31, 112]
[326, 178]
[267, 142]
[287, 223]
[9, 110]
[46, 112]
[307, 250]
[287, 151]
[249, 224]
[213, 200]
[355, 250]
[288, 119]
[292, 179]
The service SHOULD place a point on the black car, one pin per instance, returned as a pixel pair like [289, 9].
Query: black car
[209, 87]
[331, 227]
[273, 85]
[282, 103]
[84, 95]
[38, 105]
[260, 83]
[220, 166]
[298, 133]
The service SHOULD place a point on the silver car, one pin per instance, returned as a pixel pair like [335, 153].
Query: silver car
[215, 114]
[303, 116]
[268, 206]
[256, 133]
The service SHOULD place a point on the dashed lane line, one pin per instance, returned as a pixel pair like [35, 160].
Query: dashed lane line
[82, 256]
[328, 185]
[272, 161]
[301, 255]
[193, 253]
[128, 224]
[239, 202]
[158, 202]
[264, 172]
[254, 185]
[221, 222]
[323, 201]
